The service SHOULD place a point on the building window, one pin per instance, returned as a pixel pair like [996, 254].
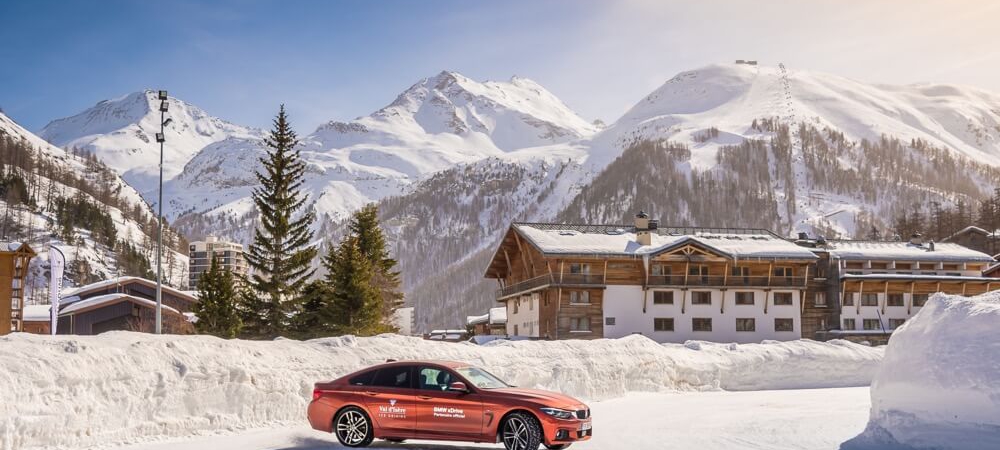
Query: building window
[515, 331]
[698, 270]
[869, 299]
[579, 268]
[894, 300]
[871, 324]
[740, 271]
[849, 324]
[663, 297]
[609, 321]
[531, 304]
[579, 297]
[896, 323]
[663, 324]
[701, 298]
[919, 299]
[849, 299]
[701, 324]
[579, 324]
[661, 269]
[516, 302]
[820, 300]
[784, 324]
[746, 325]
[783, 271]
[744, 298]
[782, 299]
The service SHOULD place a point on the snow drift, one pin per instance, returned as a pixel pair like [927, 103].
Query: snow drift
[939, 384]
[119, 387]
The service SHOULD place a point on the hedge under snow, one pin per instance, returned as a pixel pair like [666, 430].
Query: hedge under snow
[939, 385]
[120, 387]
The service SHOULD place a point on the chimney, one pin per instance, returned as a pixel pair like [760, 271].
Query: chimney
[916, 239]
[642, 229]
[803, 236]
[930, 247]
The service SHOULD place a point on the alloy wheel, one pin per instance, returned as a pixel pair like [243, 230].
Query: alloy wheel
[352, 428]
[515, 434]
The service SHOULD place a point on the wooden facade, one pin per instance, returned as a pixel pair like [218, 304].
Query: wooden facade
[130, 309]
[14, 260]
[554, 290]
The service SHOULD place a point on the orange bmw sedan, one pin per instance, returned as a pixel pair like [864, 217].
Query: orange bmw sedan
[447, 401]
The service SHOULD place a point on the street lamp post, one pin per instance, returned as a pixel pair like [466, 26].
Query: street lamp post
[161, 138]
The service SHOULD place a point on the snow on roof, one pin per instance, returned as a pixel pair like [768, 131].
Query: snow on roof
[75, 292]
[570, 239]
[109, 299]
[476, 320]
[12, 246]
[37, 313]
[498, 315]
[878, 250]
[974, 229]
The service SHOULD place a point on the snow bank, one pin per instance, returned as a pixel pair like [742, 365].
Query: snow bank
[119, 387]
[939, 385]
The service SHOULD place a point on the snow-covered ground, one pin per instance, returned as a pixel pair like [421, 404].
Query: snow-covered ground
[939, 386]
[78, 392]
[813, 419]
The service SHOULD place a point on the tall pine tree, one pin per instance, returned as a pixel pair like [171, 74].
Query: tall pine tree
[216, 306]
[355, 302]
[280, 254]
[371, 243]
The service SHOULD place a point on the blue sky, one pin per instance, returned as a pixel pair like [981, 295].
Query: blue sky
[341, 59]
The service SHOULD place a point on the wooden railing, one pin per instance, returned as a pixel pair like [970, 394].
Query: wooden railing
[580, 279]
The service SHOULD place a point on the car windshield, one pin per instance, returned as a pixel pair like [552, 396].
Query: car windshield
[481, 378]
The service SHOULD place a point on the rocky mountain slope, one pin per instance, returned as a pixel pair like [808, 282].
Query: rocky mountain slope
[51, 197]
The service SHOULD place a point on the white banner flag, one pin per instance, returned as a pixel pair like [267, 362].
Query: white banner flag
[57, 262]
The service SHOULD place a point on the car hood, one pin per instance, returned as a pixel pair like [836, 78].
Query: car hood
[547, 398]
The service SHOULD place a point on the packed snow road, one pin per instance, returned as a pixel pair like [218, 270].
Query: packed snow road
[789, 419]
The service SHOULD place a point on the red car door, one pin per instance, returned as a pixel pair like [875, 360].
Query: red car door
[390, 401]
[444, 414]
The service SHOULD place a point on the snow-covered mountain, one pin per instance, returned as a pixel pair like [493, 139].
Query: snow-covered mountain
[74, 202]
[121, 133]
[437, 123]
[724, 145]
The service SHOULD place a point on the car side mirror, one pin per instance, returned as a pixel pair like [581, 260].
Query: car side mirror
[458, 386]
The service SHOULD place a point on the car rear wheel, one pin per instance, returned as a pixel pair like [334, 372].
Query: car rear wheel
[353, 427]
[558, 446]
[521, 432]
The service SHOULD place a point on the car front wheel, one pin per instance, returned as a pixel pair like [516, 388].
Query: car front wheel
[353, 427]
[521, 432]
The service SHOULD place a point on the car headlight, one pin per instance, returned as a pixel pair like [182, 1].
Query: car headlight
[558, 413]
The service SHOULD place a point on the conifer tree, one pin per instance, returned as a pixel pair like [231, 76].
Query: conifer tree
[317, 317]
[355, 303]
[371, 242]
[216, 306]
[280, 254]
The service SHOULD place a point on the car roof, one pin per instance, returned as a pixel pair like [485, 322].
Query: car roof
[432, 362]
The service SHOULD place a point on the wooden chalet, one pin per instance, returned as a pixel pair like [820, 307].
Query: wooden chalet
[14, 260]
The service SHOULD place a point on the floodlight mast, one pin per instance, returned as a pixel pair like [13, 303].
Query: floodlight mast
[161, 138]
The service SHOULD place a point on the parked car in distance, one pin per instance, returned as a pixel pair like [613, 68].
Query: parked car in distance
[446, 401]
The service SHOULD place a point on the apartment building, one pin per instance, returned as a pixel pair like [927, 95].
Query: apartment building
[229, 255]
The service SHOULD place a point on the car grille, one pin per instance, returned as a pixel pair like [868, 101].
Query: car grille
[583, 414]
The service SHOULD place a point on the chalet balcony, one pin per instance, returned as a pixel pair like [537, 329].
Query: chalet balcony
[547, 280]
[724, 281]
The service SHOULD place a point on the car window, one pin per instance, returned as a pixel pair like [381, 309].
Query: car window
[481, 378]
[434, 379]
[394, 377]
[364, 379]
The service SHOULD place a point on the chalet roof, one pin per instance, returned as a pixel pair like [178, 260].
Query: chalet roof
[74, 294]
[905, 251]
[15, 246]
[110, 299]
[972, 229]
[738, 243]
[37, 313]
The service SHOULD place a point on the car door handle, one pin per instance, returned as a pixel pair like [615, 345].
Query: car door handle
[425, 397]
[371, 393]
